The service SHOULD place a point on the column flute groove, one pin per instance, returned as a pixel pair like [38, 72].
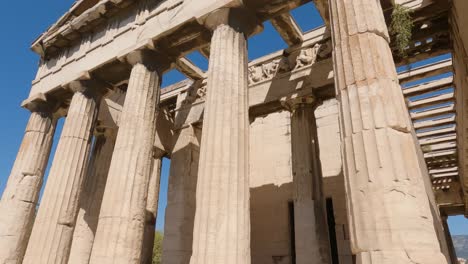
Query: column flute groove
[93, 190]
[388, 208]
[152, 209]
[20, 198]
[311, 236]
[52, 233]
[120, 232]
[222, 219]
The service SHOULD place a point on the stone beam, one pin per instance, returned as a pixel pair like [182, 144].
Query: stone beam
[438, 139]
[205, 51]
[288, 29]
[434, 121]
[437, 131]
[189, 69]
[450, 109]
[426, 71]
[428, 86]
[442, 98]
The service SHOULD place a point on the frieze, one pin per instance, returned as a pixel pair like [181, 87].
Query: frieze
[196, 92]
[105, 34]
[294, 62]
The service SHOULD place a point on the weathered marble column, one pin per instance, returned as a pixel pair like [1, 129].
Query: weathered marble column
[119, 236]
[222, 219]
[389, 213]
[311, 231]
[52, 233]
[91, 196]
[181, 197]
[19, 200]
[448, 237]
[152, 210]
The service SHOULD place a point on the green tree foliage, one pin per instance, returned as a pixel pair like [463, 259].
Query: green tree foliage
[401, 28]
[157, 250]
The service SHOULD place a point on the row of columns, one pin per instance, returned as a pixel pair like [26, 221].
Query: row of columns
[389, 212]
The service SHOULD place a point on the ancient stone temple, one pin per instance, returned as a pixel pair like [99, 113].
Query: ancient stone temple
[337, 149]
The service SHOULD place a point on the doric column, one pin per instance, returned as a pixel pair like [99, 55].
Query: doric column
[222, 219]
[19, 200]
[91, 196]
[389, 213]
[181, 197]
[119, 235]
[311, 233]
[152, 209]
[452, 254]
[52, 233]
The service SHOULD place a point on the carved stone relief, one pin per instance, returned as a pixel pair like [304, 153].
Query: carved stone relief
[306, 57]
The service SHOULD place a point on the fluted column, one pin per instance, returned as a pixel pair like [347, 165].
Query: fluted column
[222, 219]
[19, 200]
[52, 233]
[389, 212]
[152, 210]
[91, 196]
[181, 197]
[119, 235]
[311, 233]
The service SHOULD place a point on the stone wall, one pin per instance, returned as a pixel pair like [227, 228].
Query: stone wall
[271, 188]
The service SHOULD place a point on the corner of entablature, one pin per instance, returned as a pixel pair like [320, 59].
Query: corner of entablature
[40, 102]
[239, 18]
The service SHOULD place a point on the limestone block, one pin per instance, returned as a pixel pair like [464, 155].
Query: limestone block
[222, 219]
[52, 233]
[180, 211]
[389, 212]
[20, 198]
[119, 236]
[91, 197]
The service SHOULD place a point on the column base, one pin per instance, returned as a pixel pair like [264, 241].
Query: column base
[311, 233]
[400, 257]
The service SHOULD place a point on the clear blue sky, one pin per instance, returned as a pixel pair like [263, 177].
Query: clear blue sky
[18, 67]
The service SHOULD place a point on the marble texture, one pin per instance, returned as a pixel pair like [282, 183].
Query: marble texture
[389, 212]
[20, 197]
[120, 232]
[52, 233]
[91, 197]
[222, 218]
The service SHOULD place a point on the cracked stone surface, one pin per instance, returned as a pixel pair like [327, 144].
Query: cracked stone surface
[309, 205]
[52, 233]
[19, 200]
[91, 198]
[181, 197]
[119, 236]
[389, 212]
[222, 219]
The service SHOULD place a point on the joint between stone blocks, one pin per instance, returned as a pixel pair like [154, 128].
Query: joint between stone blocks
[240, 19]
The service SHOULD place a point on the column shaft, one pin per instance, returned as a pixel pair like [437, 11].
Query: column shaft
[222, 220]
[310, 224]
[19, 200]
[389, 213]
[52, 233]
[119, 235]
[181, 197]
[91, 198]
[448, 237]
[151, 212]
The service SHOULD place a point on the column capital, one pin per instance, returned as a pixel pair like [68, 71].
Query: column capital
[292, 104]
[240, 19]
[90, 86]
[158, 153]
[151, 59]
[40, 103]
[104, 131]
